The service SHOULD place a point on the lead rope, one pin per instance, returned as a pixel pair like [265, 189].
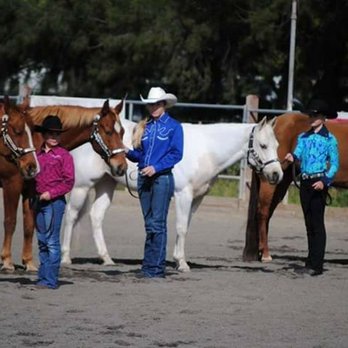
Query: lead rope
[325, 193]
[129, 189]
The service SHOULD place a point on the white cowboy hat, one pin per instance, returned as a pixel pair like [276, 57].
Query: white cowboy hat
[157, 94]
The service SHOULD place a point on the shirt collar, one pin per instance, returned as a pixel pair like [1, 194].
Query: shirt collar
[53, 150]
[323, 132]
[164, 118]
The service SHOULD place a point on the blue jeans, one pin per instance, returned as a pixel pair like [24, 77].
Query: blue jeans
[48, 222]
[155, 194]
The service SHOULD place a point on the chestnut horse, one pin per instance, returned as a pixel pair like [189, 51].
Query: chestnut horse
[264, 197]
[102, 127]
[18, 160]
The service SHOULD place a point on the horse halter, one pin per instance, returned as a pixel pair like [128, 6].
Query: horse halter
[95, 135]
[252, 154]
[16, 151]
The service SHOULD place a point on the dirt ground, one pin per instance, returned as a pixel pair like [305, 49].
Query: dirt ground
[222, 303]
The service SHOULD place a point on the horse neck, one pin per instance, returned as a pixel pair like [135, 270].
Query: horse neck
[232, 144]
[78, 133]
[75, 137]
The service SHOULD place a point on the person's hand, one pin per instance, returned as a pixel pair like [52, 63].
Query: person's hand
[289, 157]
[318, 185]
[46, 196]
[148, 171]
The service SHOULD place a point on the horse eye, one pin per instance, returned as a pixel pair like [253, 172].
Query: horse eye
[18, 131]
[263, 146]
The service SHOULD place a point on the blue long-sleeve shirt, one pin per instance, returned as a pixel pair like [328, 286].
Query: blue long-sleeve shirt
[315, 151]
[161, 144]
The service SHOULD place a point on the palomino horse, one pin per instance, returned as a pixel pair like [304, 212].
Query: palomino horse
[102, 127]
[17, 161]
[208, 149]
[264, 198]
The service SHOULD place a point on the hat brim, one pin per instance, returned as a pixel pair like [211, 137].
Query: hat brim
[41, 129]
[169, 98]
[313, 114]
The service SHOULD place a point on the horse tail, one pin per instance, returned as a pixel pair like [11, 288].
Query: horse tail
[138, 133]
[251, 249]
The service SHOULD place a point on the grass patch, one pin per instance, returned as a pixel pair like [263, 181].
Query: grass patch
[230, 188]
[225, 188]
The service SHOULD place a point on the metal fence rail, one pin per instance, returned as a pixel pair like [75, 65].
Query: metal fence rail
[246, 110]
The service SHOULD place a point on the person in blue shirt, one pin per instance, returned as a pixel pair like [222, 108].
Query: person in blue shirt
[158, 147]
[317, 152]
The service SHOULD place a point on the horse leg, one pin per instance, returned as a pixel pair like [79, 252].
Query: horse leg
[269, 201]
[265, 199]
[183, 203]
[28, 228]
[11, 194]
[104, 189]
[76, 202]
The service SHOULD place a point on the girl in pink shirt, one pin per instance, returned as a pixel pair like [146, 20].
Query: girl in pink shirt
[56, 178]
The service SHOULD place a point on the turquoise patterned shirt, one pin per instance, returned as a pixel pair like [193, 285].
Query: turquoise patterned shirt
[315, 151]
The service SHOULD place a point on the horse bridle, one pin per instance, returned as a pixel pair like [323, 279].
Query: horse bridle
[16, 151]
[95, 135]
[259, 164]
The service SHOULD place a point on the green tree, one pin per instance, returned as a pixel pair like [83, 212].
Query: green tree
[205, 51]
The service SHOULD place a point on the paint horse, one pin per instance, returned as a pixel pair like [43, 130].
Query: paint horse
[208, 150]
[101, 127]
[264, 197]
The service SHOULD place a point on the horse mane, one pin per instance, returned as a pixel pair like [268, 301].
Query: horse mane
[71, 116]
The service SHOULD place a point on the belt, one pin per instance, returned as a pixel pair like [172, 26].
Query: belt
[305, 176]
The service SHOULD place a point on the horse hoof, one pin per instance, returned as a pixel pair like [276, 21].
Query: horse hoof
[66, 261]
[8, 268]
[30, 267]
[108, 262]
[184, 268]
[266, 259]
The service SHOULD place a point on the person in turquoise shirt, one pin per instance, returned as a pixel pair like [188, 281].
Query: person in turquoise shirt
[317, 152]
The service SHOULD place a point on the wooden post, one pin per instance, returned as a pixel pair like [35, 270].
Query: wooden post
[252, 102]
[250, 252]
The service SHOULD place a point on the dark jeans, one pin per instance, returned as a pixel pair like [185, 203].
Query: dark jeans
[155, 194]
[49, 217]
[313, 206]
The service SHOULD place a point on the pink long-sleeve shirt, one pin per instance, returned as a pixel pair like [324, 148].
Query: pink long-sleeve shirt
[57, 174]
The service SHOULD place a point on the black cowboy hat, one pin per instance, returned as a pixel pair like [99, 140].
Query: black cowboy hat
[319, 108]
[50, 123]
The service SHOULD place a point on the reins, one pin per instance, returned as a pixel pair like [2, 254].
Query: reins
[327, 198]
[128, 188]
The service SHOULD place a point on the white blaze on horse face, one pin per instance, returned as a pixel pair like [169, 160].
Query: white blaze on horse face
[118, 127]
[31, 144]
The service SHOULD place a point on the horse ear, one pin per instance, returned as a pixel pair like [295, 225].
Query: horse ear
[263, 122]
[25, 103]
[119, 107]
[272, 122]
[6, 104]
[106, 108]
